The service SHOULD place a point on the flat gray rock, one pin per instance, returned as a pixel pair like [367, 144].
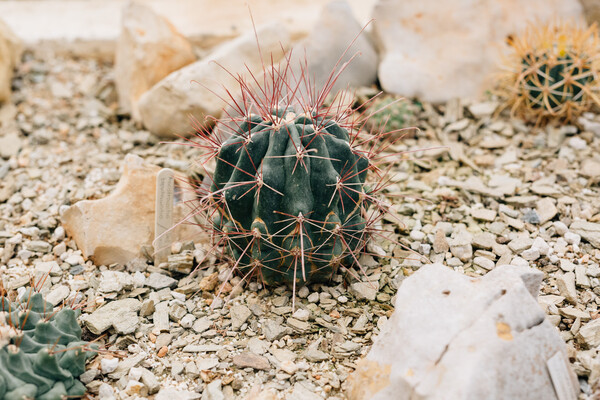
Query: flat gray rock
[254, 361]
[121, 315]
[159, 281]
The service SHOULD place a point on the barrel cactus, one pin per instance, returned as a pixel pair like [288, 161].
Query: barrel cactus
[289, 198]
[552, 72]
[392, 115]
[41, 352]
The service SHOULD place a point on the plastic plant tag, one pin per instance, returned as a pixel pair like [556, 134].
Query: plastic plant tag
[163, 215]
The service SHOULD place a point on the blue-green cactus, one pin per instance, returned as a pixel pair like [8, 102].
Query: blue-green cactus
[46, 355]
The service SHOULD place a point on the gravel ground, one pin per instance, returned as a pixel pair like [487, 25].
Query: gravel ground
[499, 192]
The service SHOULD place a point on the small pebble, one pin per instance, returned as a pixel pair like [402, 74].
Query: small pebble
[108, 365]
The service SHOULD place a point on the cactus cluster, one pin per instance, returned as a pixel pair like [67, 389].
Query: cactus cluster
[552, 72]
[289, 199]
[41, 351]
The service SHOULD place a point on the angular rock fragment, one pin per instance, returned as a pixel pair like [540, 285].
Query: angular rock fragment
[456, 337]
[10, 55]
[148, 49]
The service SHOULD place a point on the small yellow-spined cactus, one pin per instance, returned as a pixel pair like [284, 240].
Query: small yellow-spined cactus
[552, 72]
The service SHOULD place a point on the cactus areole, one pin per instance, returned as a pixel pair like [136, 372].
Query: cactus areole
[289, 191]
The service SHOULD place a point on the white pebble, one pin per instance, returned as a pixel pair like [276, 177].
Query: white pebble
[74, 259]
[108, 365]
[342, 299]
[484, 263]
[313, 297]
[560, 228]
[531, 254]
[187, 321]
[577, 143]
[417, 235]
[519, 262]
[572, 238]
[301, 314]
[289, 367]
[541, 246]
[139, 279]
[135, 373]
[178, 296]
[58, 234]
[106, 392]
[303, 292]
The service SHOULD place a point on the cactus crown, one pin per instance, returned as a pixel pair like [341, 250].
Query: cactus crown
[552, 72]
[289, 199]
[41, 351]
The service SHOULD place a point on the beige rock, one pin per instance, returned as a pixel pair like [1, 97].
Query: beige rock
[591, 10]
[333, 33]
[148, 49]
[429, 50]
[589, 231]
[10, 55]
[589, 334]
[199, 88]
[590, 168]
[114, 229]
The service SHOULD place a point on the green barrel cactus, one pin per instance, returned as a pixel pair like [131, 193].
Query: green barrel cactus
[290, 196]
[41, 352]
[391, 115]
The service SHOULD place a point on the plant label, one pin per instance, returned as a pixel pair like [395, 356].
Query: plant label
[163, 217]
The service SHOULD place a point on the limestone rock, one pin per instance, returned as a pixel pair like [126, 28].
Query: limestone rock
[120, 314]
[589, 334]
[248, 359]
[333, 32]
[114, 229]
[148, 49]
[588, 230]
[428, 51]
[456, 337]
[10, 55]
[591, 10]
[198, 88]
[11, 142]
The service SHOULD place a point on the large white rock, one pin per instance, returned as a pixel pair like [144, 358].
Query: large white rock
[10, 55]
[114, 229]
[198, 90]
[438, 50]
[333, 33]
[454, 337]
[148, 49]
